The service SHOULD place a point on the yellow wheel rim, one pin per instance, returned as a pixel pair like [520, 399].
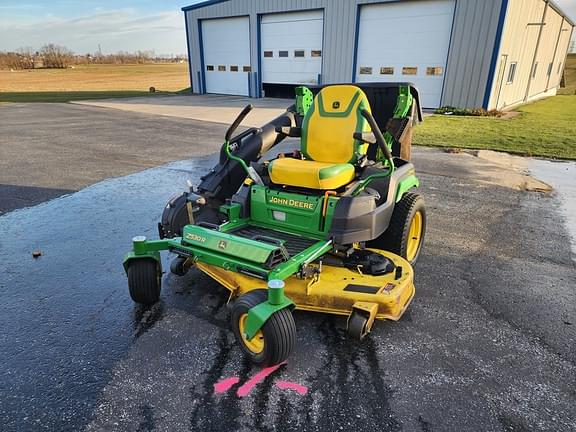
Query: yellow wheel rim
[256, 345]
[414, 236]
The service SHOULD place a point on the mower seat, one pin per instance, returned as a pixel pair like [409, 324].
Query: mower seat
[327, 143]
[310, 174]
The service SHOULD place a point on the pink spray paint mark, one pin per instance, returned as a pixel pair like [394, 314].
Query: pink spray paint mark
[288, 385]
[225, 384]
[256, 379]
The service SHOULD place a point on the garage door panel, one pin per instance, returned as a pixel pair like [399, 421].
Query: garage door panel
[300, 77]
[406, 34]
[290, 32]
[401, 55]
[293, 67]
[425, 22]
[292, 17]
[226, 44]
[423, 9]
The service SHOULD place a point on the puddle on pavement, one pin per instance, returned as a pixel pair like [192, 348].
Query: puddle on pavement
[66, 317]
[561, 175]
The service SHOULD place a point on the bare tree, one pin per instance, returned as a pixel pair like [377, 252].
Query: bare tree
[56, 56]
[23, 58]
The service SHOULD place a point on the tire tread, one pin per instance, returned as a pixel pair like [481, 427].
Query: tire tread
[279, 331]
[143, 281]
[394, 239]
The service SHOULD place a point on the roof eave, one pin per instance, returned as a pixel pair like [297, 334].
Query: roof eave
[202, 5]
[557, 8]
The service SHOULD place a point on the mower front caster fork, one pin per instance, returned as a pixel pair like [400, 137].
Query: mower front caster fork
[263, 324]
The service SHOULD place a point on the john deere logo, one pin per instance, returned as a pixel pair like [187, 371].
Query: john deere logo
[222, 244]
[292, 203]
[336, 105]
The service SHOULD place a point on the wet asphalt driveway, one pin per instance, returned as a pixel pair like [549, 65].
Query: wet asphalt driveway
[487, 345]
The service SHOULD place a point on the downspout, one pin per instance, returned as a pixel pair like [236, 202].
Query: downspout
[542, 23]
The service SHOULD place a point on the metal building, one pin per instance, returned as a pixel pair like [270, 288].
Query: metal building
[463, 53]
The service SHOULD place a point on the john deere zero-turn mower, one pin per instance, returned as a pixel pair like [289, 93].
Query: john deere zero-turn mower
[332, 227]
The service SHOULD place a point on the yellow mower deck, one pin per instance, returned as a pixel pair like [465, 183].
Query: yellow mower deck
[337, 290]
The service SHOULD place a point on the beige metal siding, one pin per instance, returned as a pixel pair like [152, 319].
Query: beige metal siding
[545, 53]
[534, 32]
[560, 56]
[474, 31]
[519, 41]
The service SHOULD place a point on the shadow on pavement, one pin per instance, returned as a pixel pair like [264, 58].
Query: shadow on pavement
[13, 197]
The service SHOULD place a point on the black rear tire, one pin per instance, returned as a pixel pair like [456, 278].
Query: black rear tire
[175, 216]
[278, 334]
[144, 280]
[397, 238]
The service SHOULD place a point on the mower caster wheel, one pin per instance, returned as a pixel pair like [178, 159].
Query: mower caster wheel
[178, 266]
[144, 280]
[274, 341]
[358, 326]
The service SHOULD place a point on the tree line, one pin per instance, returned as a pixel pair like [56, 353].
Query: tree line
[52, 56]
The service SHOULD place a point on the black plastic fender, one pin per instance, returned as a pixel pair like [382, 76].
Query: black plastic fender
[364, 217]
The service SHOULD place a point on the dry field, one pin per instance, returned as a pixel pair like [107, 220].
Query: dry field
[91, 81]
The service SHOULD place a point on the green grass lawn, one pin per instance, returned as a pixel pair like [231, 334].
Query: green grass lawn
[545, 128]
[67, 96]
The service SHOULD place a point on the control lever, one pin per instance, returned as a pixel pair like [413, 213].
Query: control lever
[250, 171]
[378, 136]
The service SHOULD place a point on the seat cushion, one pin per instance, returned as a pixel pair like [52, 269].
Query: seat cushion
[310, 174]
[329, 125]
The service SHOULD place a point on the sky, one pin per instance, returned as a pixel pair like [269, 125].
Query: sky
[115, 25]
[569, 8]
[82, 25]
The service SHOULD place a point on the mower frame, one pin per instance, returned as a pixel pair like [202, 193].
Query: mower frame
[299, 279]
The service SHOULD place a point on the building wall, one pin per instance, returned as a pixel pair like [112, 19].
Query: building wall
[545, 54]
[469, 59]
[561, 52]
[534, 33]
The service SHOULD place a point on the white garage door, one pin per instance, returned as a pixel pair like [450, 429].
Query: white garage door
[406, 41]
[292, 47]
[226, 50]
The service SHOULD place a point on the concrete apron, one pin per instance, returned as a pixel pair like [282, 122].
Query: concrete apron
[561, 175]
[210, 108]
[541, 175]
